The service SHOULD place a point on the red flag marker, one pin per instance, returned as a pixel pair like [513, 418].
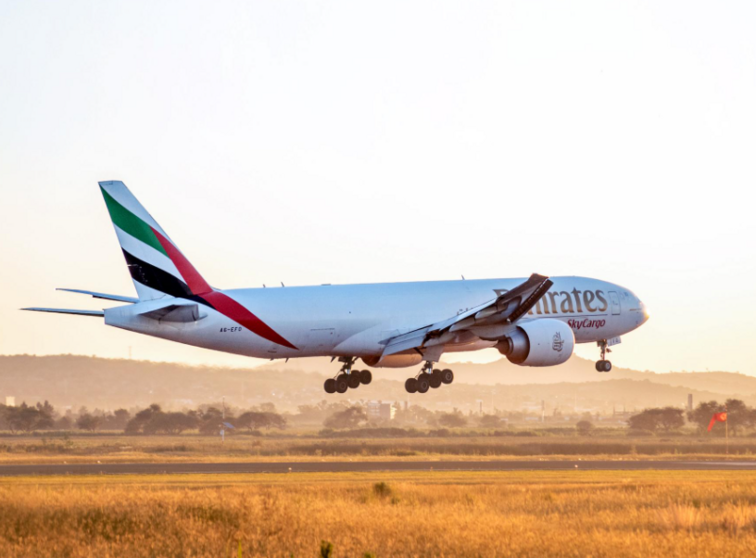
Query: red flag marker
[718, 417]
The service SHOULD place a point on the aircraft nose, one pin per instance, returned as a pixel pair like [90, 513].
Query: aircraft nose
[644, 310]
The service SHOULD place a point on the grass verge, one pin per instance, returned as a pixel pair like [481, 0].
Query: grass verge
[564, 513]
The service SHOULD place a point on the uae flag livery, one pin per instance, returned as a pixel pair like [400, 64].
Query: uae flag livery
[158, 267]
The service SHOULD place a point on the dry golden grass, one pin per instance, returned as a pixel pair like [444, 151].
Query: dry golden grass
[577, 513]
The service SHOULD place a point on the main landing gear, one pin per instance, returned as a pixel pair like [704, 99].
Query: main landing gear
[604, 365]
[428, 378]
[347, 378]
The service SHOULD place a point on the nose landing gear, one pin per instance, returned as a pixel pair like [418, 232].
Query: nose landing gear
[604, 365]
[347, 378]
[428, 378]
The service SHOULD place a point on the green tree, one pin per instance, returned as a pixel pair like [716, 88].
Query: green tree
[255, 420]
[348, 418]
[739, 416]
[46, 416]
[584, 427]
[26, 418]
[117, 420]
[88, 422]
[170, 423]
[211, 421]
[490, 421]
[667, 418]
[452, 420]
[136, 424]
[671, 418]
[701, 415]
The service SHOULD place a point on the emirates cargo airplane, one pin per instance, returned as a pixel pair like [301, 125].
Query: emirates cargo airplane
[533, 322]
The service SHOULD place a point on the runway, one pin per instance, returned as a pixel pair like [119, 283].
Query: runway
[366, 466]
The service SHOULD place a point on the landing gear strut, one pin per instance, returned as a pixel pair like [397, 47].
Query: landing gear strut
[347, 378]
[428, 378]
[603, 365]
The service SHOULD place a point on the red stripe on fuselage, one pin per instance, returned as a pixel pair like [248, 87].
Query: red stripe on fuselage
[232, 309]
[221, 302]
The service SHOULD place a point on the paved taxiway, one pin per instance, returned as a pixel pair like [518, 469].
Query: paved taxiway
[367, 466]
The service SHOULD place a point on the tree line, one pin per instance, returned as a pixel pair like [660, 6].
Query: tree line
[152, 420]
[740, 417]
[209, 419]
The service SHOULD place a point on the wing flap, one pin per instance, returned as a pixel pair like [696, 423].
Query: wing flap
[505, 309]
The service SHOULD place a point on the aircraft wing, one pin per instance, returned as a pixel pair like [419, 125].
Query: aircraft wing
[502, 311]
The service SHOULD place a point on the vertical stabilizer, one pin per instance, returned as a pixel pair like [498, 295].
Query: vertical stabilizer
[157, 266]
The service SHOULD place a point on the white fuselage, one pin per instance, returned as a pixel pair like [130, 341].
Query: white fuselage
[356, 320]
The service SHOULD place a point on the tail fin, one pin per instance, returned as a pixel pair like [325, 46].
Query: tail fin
[157, 266]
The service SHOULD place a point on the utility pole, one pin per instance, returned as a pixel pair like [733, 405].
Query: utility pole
[727, 434]
[223, 421]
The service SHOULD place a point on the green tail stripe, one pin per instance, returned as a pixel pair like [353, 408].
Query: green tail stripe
[131, 224]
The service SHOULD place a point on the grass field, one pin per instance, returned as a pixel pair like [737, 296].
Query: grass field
[124, 449]
[575, 513]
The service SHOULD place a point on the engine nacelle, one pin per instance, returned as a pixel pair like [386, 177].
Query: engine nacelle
[393, 361]
[543, 342]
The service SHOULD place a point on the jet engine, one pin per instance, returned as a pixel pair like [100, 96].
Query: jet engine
[393, 361]
[544, 342]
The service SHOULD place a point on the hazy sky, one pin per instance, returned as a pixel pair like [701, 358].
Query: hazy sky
[341, 142]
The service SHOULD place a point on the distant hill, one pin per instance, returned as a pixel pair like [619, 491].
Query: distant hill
[67, 380]
[575, 370]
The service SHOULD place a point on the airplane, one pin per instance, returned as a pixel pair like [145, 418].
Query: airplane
[534, 321]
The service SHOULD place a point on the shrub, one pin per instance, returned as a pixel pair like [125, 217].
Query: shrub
[382, 490]
[348, 418]
[452, 420]
[326, 549]
[584, 427]
[439, 433]
[636, 433]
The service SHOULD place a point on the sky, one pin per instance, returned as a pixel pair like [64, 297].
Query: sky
[352, 142]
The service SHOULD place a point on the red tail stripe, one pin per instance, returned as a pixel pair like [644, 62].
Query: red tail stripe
[193, 279]
[222, 303]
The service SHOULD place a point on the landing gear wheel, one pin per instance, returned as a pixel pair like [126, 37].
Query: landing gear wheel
[604, 366]
[410, 385]
[423, 383]
[447, 376]
[353, 379]
[366, 377]
[341, 383]
[330, 385]
[435, 379]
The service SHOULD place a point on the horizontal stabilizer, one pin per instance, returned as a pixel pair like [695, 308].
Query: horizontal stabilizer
[97, 313]
[103, 296]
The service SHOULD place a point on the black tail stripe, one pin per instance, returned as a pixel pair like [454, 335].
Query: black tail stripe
[155, 278]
